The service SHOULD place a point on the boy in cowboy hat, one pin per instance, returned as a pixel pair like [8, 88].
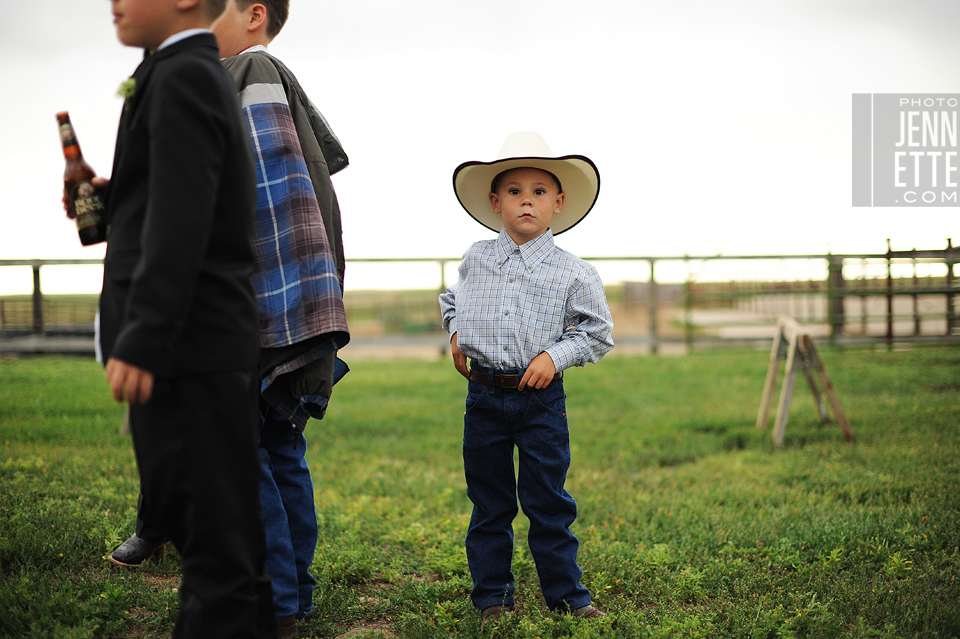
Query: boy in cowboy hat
[522, 311]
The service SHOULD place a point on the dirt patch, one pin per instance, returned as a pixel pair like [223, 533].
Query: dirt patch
[370, 629]
[141, 632]
[162, 581]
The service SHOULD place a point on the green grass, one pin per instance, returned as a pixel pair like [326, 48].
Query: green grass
[691, 523]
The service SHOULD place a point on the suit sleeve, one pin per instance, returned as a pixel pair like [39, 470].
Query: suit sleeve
[187, 133]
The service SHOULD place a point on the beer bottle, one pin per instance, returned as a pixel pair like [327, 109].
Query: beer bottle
[84, 203]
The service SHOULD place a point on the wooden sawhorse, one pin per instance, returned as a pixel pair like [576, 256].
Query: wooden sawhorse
[798, 348]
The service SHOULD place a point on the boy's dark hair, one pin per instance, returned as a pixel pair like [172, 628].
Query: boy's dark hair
[277, 13]
[495, 184]
[215, 8]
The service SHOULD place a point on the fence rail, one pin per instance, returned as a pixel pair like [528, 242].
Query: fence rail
[859, 298]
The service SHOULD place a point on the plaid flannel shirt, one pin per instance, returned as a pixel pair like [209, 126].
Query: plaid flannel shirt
[297, 280]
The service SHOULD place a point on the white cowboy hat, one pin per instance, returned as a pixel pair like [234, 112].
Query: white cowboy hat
[577, 174]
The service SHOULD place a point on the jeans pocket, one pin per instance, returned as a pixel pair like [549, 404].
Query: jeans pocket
[551, 399]
[473, 397]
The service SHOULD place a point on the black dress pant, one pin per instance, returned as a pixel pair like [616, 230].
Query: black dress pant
[144, 529]
[196, 448]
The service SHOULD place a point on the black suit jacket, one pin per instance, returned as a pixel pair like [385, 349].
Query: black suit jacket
[177, 298]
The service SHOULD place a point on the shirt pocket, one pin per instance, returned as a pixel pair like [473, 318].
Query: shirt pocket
[542, 309]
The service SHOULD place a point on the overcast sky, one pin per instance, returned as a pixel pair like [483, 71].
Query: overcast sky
[716, 126]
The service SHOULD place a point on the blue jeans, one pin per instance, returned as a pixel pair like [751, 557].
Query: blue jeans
[534, 421]
[289, 514]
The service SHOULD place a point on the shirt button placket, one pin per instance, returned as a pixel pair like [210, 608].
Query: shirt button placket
[509, 303]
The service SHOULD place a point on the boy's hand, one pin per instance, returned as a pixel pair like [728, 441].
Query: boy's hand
[459, 359]
[540, 372]
[127, 382]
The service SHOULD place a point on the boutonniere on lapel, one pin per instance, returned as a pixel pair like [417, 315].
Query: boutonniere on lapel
[126, 90]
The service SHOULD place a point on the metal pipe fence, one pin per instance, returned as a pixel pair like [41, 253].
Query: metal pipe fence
[852, 298]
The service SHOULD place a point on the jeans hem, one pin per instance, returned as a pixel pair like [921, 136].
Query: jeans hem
[483, 604]
[284, 612]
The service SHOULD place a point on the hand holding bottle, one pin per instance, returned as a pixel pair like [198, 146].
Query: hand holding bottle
[82, 196]
[99, 183]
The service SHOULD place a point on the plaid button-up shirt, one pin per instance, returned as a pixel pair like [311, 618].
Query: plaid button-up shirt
[298, 280]
[512, 303]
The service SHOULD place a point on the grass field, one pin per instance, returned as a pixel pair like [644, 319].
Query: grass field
[691, 523]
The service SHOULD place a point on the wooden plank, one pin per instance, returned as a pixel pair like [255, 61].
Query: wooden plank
[125, 424]
[807, 362]
[786, 394]
[766, 401]
[818, 398]
[834, 398]
[790, 327]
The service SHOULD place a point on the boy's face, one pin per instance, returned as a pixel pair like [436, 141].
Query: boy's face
[144, 23]
[526, 199]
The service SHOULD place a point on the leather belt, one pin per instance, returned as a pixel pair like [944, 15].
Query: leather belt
[501, 381]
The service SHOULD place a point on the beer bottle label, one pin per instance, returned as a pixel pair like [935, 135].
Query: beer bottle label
[67, 136]
[87, 204]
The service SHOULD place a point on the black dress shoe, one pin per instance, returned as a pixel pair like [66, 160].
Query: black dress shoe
[137, 550]
[287, 627]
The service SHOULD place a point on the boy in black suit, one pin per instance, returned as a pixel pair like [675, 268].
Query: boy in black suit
[179, 326]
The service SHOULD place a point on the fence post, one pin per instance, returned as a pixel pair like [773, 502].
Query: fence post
[37, 301]
[951, 315]
[443, 289]
[688, 307]
[443, 276]
[654, 338]
[863, 298]
[916, 298]
[835, 285]
[889, 296]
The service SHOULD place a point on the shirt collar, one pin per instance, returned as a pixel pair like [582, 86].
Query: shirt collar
[183, 35]
[532, 252]
[254, 48]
